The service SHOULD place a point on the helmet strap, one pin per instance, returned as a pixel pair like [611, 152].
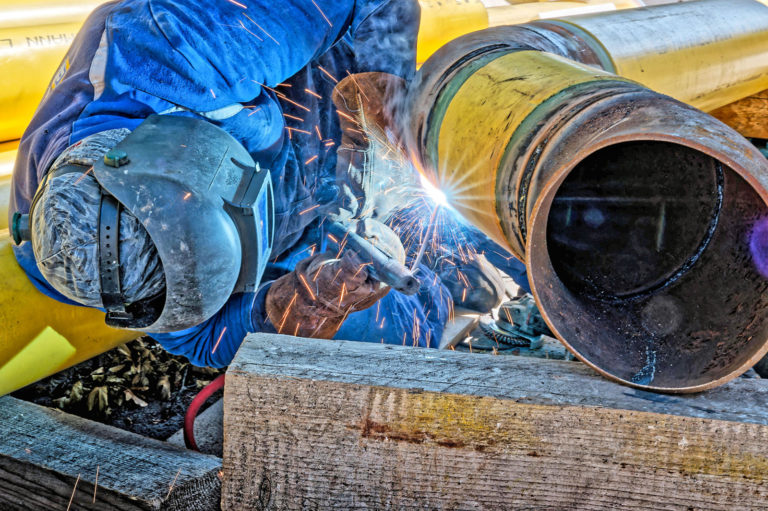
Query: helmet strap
[109, 259]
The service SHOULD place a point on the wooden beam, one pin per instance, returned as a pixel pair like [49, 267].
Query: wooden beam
[748, 116]
[318, 424]
[44, 452]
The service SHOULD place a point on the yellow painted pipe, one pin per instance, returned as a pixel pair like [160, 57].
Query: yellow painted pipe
[29, 56]
[707, 53]
[443, 21]
[29, 13]
[626, 205]
[41, 336]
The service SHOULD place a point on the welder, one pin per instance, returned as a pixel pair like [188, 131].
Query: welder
[181, 168]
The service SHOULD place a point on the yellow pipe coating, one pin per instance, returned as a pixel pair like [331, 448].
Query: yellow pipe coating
[707, 53]
[29, 56]
[41, 336]
[482, 117]
[28, 13]
[443, 21]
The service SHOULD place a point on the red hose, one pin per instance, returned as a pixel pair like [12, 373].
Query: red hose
[194, 407]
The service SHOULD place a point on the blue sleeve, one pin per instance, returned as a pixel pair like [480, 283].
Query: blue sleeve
[206, 56]
[213, 343]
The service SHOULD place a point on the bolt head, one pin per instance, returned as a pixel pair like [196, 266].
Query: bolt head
[116, 158]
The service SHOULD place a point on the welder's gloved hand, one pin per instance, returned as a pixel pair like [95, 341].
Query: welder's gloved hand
[372, 168]
[315, 298]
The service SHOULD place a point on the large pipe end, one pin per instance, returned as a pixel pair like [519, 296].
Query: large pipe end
[647, 246]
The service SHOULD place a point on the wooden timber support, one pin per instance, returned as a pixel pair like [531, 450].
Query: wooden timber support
[313, 424]
[48, 457]
[748, 116]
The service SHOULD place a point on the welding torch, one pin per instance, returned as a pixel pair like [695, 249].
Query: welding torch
[382, 267]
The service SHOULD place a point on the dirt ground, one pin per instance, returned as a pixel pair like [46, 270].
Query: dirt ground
[138, 387]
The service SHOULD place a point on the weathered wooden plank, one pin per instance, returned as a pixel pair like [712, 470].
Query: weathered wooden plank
[748, 116]
[42, 452]
[327, 424]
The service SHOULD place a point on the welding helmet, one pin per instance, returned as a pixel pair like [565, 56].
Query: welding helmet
[204, 204]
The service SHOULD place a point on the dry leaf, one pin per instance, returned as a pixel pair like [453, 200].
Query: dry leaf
[99, 397]
[165, 387]
[130, 396]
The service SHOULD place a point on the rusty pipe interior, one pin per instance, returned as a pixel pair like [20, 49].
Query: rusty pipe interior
[642, 221]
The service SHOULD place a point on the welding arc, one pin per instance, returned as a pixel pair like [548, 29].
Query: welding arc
[632, 211]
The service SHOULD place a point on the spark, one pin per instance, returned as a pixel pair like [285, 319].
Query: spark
[306, 285]
[84, 174]
[310, 160]
[287, 310]
[315, 94]
[297, 129]
[238, 4]
[309, 209]
[347, 116]
[358, 86]
[212, 93]
[293, 117]
[322, 13]
[262, 29]
[187, 195]
[343, 290]
[170, 489]
[95, 484]
[317, 129]
[72, 497]
[358, 272]
[254, 111]
[221, 335]
[284, 98]
[246, 29]
[328, 74]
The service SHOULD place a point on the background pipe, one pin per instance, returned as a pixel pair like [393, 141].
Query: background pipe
[642, 221]
[707, 53]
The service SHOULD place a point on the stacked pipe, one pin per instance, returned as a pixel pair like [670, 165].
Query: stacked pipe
[642, 221]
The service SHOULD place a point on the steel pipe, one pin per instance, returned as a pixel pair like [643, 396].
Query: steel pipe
[642, 220]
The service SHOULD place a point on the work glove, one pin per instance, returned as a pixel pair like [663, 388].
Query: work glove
[316, 298]
[373, 170]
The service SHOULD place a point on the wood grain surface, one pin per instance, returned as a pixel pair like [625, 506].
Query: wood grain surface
[341, 425]
[44, 452]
